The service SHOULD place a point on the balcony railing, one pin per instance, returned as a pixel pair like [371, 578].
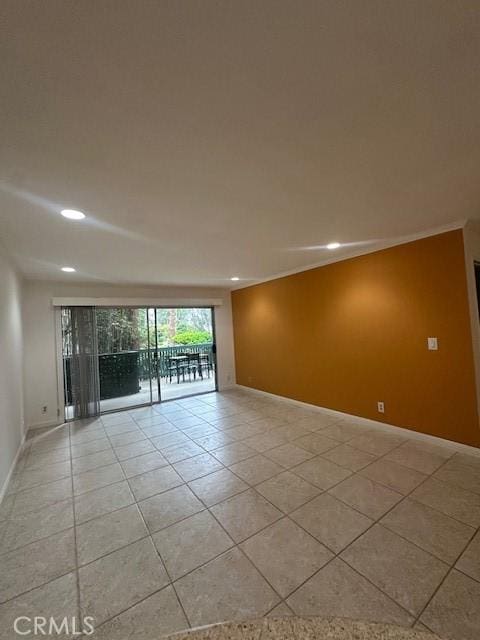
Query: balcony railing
[120, 373]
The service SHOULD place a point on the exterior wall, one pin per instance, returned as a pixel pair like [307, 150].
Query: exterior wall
[40, 363]
[352, 333]
[11, 383]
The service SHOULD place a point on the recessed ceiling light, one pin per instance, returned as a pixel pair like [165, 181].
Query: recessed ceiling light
[235, 278]
[72, 214]
[333, 245]
[68, 269]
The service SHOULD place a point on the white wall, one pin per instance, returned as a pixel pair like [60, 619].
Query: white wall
[11, 356]
[39, 334]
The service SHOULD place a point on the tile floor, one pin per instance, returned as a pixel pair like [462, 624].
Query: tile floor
[230, 506]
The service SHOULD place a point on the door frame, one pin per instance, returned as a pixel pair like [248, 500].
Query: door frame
[61, 410]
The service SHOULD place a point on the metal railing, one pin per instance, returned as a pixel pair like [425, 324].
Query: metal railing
[120, 373]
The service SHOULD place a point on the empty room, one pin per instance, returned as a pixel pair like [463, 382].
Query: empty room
[239, 319]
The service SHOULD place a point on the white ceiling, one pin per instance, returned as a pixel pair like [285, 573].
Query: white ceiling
[205, 139]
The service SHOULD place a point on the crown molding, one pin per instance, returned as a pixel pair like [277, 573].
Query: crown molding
[373, 248]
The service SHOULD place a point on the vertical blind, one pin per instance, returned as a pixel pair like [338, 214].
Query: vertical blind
[85, 381]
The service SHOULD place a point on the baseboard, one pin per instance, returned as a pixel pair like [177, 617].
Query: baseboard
[373, 424]
[4, 488]
[42, 425]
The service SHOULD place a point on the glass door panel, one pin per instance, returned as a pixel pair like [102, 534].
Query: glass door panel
[185, 351]
[124, 358]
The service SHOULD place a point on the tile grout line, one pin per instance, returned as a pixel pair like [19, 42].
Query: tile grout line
[156, 550]
[77, 572]
[322, 491]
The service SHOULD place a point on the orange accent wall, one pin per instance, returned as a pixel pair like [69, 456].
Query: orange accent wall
[349, 334]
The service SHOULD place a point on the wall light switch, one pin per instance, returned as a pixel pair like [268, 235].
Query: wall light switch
[432, 344]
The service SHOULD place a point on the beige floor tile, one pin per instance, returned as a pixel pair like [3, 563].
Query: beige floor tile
[265, 441]
[197, 467]
[332, 522]
[393, 475]
[431, 530]
[36, 564]
[141, 464]
[233, 452]
[317, 421]
[127, 438]
[200, 431]
[115, 582]
[97, 478]
[466, 459]
[461, 475]
[288, 455]
[316, 443]
[101, 501]
[154, 617]
[134, 449]
[113, 419]
[227, 588]
[348, 457]
[42, 496]
[245, 431]
[190, 543]
[338, 590]
[371, 498]
[82, 437]
[216, 441]
[93, 461]
[321, 472]
[454, 611]
[469, 562]
[292, 431]
[6, 507]
[153, 482]
[286, 555]
[414, 456]
[245, 514]
[451, 500]
[155, 421]
[182, 452]
[107, 533]
[176, 438]
[120, 429]
[342, 431]
[34, 525]
[166, 508]
[376, 442]
[280, 611]
[43, 475]
[398, 567]
[57, 599]
[217, 486]
[79, 450]
[287, 491]
[257, 469]
[35, 461]
[159, 430]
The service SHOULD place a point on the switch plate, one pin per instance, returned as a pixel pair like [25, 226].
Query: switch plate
[432, 344]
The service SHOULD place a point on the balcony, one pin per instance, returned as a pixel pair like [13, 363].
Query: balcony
[131, 378]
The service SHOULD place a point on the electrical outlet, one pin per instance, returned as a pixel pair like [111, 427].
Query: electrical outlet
[381, 407]
[432, 344]
[44, 408]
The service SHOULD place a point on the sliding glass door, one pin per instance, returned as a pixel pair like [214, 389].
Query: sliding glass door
[122, 357]
[186, 351]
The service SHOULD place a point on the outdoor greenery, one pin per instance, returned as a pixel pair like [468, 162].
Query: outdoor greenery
[123, 329]
[192, 336]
